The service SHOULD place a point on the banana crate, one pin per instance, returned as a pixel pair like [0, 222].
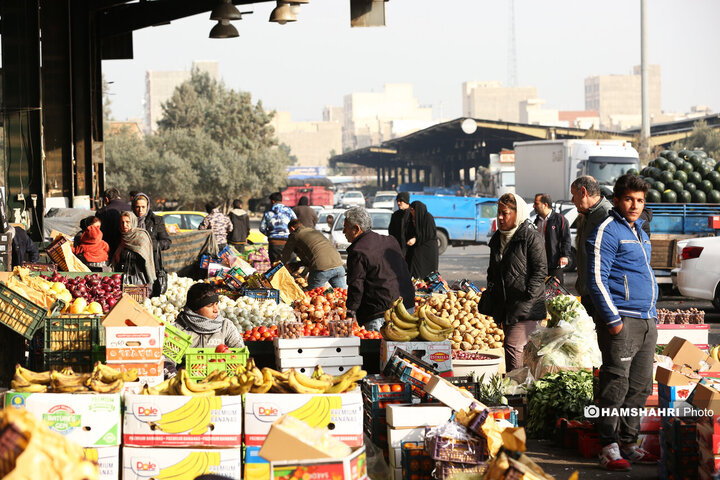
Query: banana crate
[200, 362]
[73, 332]
[81, 361]
[20, 314]
[176, 343]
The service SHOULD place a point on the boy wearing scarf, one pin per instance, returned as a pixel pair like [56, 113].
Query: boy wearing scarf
[201, 318]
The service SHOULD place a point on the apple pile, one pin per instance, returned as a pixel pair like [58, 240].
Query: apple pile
[92, 288]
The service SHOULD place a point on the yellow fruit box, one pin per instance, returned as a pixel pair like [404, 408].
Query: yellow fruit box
[108, 460]
[146, 463]
[90, 420]
[182, 421]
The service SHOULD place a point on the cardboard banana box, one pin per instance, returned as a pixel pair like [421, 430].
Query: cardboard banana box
[90, 420]
[182, 421]
[146, 463]
[108, 460]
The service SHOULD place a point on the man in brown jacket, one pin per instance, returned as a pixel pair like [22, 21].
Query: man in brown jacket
[317, 253]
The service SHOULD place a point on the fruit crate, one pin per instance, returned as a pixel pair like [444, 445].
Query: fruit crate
[73, 333]
[262, 294]
[416, 463]
[410, 369]
[376, 429]
[80, 361]
[273, 270]
[20, 314]
[449, 470]
[200, 362]
[138, 292]
[176, 343]
[54, 251]
[50, 268]
[445, 449]
[373, 386]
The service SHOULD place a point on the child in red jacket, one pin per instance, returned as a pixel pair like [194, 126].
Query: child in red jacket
[92, 249]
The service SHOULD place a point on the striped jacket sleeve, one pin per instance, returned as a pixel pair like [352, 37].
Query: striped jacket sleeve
[601, 248]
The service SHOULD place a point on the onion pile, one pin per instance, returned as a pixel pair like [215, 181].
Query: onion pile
[105, 290]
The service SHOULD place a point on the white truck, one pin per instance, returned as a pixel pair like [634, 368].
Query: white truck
[550, 166]
[498, 178]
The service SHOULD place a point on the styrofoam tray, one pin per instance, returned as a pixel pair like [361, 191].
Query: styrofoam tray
[316, 342]
[284, 363]
[301, 352]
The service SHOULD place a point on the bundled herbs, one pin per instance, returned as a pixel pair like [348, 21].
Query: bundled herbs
[558, 395]
[563, 307]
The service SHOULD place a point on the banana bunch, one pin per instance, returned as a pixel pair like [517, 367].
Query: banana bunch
[715, 353]
[103, 379]
[246, 378]
[432, 327]
[292, 381]
[400, 325]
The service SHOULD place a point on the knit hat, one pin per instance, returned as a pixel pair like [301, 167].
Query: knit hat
[403, 197]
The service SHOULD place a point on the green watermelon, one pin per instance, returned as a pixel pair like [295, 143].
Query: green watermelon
[670, 167]
[701, 154]
[681, 175]
[713, 176]
[703, 170]
[645, 172]
[669, 154]
[633, 171]
[687, 166]
[653, 196]
[717, 166]
[695, 178]
[684, 197]
[706, 186]
[698, 196]
[659, 162]
[676, 185]
[669, 196]
[659, 186]
[684, 154]
[694, 161]
[666, 177]
[690, 187]
[713, 196]
[679, 162]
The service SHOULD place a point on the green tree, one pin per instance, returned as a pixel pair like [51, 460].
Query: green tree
[247, 154]
[127, 160]
[703, 137]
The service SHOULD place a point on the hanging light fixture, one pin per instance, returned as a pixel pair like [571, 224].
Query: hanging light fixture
[223, 29]
[282, 14]
[295, 5]
[225, 10]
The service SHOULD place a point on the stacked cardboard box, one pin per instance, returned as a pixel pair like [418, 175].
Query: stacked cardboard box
[435, 354]
[679, 447]
[335, 355]
[378, 392]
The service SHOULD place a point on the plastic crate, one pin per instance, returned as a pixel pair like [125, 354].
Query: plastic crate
[176, 343]
[416, 463]
[553, 288]
[273, 270]
[72, 333]
[80, 361]
[376, 429]
[41, 267]
[410, 369]
[200, 362]
[472, 451]
[232, 283]
[262, 294]
[20, 314]
[54, 251]
[372, 385]
[138, 292]
[449, 470]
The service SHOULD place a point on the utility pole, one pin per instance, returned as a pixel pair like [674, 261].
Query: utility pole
[512, 49]
[645, 129]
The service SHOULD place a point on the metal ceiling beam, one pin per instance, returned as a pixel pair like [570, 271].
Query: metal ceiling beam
[135, 16]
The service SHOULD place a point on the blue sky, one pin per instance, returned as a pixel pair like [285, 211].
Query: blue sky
[436, 46]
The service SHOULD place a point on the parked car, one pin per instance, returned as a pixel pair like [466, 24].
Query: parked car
[352, 198]
[384, 199]
[322, 219]
[380, 222]
[699, 273]
[188, 221]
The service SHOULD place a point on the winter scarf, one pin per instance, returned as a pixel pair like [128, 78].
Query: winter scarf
[137, 240]
[238, 212]
[195, 322]
[523, 212]
[92, 246]
[141, 220]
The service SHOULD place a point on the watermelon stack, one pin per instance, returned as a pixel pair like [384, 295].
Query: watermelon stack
[687, 176]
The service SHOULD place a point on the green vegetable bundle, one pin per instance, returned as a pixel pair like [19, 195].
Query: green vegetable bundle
[557, 395]
[563, 307]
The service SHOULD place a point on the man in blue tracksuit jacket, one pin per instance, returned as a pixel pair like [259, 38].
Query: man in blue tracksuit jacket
[624, 291]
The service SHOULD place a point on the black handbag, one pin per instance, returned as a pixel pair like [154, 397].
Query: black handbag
[161, 282]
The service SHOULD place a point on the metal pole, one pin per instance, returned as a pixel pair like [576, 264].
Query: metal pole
[645, 133]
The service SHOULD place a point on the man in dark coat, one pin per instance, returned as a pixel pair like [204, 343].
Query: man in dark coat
[23, 248]
[109, 215]
[241, 226]
[377, 273]
[555, 229]
[401, 222]
[304, 213]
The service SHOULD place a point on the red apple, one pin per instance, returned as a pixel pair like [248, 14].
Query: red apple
[222, 348]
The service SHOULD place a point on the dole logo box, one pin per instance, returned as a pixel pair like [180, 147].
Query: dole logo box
[342, 413]
[107, 459]
[90, 420]
[182, 421]
[180, 463]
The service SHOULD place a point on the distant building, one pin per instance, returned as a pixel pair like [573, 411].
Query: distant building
[531, 112]
[580, 118]
[134, 128]
[492, 101]
[370, 118]
[619, 97]
[311, 142]
[160, 85]
[333, 114]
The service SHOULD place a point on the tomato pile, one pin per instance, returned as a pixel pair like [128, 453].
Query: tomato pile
[322, 306]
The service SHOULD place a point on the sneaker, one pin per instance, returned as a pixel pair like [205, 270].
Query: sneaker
[635, 454]
[610, 459]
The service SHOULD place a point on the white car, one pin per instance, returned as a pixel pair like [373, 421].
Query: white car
[385, 199]
[380, 222]
[352, 198]
[322, 224]
[699, 274]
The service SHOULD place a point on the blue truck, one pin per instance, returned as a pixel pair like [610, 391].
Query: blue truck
[459, 221]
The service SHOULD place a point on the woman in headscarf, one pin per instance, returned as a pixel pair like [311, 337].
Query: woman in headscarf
[201, 318]
[422, 253]
[515, 294]
[154, 225]
[134, 255]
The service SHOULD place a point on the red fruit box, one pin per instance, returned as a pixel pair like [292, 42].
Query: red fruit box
[588, 443]
[708, 461]
[711, 422]
[707, 439]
